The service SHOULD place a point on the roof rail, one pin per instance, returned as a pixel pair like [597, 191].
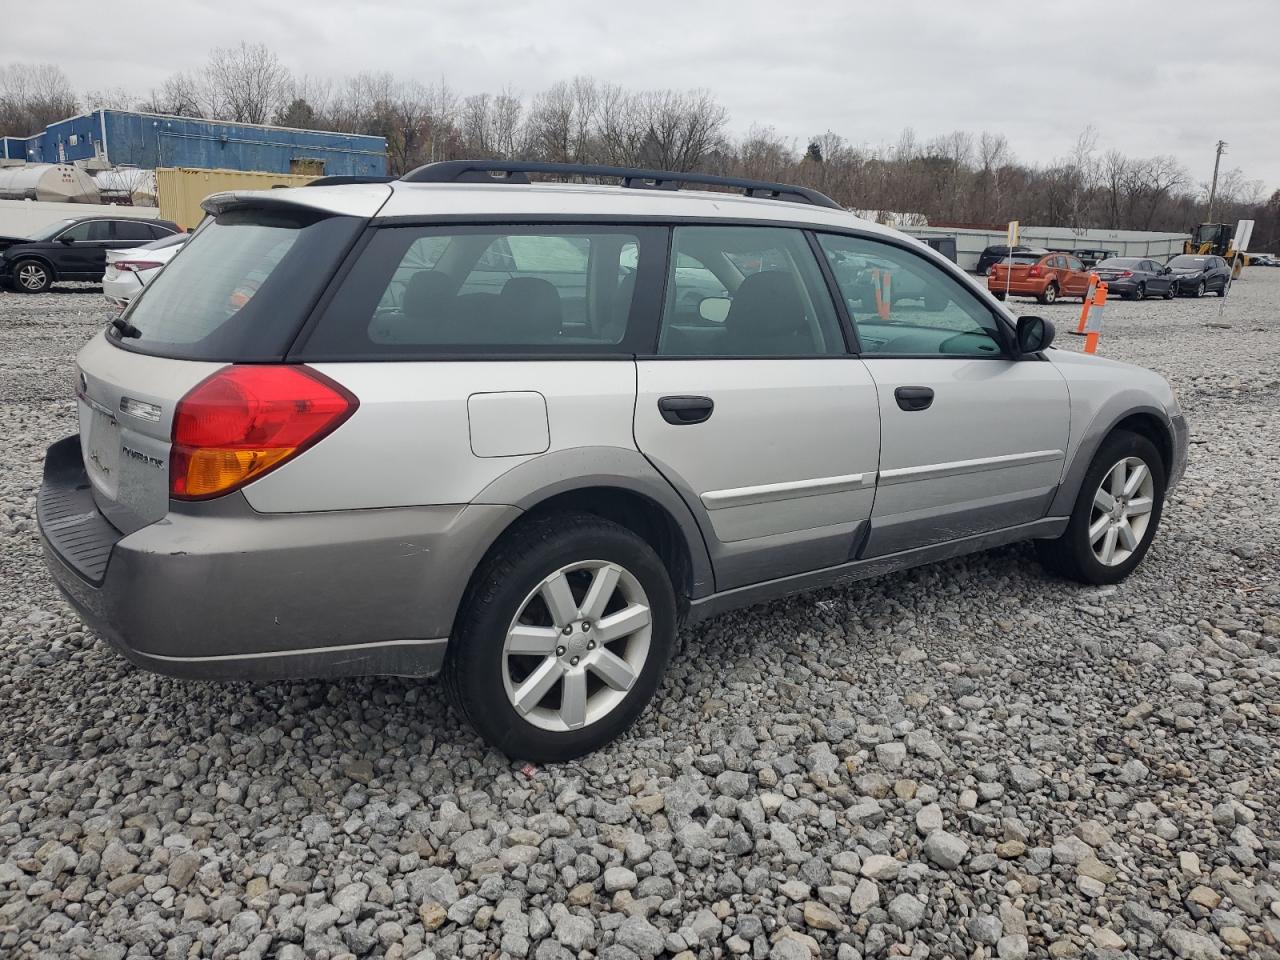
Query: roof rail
[517, 172]
[338, 180]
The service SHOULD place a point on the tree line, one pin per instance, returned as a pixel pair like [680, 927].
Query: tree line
[956, 178]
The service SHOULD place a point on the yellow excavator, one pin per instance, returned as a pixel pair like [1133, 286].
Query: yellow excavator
[1217, 239]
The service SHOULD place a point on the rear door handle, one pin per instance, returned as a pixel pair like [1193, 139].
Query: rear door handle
[914, 398]
[686, 410]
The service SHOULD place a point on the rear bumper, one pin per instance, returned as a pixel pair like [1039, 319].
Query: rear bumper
[217, 591]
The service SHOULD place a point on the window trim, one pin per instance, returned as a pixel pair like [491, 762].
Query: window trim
[669, 273]
[642, 321]
[296, 352]
[1004, 329]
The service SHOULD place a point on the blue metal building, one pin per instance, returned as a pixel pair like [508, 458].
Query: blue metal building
[122, 138]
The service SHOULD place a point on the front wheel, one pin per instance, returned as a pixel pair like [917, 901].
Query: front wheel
[32, 276]
[1050, 294]
[1200, 289]
[1169, 291]
[1115, 516]
[563, 639]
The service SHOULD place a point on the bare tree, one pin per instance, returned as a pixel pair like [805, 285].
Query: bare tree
[32, 96]
[247, 84]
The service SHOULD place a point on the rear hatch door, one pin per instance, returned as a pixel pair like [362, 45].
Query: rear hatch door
[240, 292]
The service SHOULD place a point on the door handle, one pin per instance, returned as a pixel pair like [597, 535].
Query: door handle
[686, 410]
[914, 398]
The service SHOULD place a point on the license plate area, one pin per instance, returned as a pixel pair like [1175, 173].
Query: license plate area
[102, 449]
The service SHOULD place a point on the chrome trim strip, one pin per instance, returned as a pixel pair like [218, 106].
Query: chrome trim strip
[93, 404]
[768, 492]
[955, 468]
[305, 651]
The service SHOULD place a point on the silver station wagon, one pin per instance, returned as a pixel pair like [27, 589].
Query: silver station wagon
[519, 432]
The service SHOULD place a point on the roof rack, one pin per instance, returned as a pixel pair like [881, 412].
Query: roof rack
[338, 180]
[517, 172]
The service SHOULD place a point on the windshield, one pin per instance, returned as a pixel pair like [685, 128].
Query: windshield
[1188, 263]
[241, 289]
[51, 231]
[1120, 262]
[1024, 258]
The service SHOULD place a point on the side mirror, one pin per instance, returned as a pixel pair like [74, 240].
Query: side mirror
[714, 309]
[1033, 335]
[1164, 270]
[66, 240]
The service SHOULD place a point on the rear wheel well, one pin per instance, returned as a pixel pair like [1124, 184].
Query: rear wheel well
[1149, 426]
[644, 517]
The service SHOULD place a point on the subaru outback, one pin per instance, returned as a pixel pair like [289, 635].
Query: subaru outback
[518, 432]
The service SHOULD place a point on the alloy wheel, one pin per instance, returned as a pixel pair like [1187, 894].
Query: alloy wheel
[1121, 512]
[32, 277]
[1200, 289]
[1050, 293]
[577, 645]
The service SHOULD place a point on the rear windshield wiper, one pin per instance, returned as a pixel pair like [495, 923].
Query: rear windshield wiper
[125, 328]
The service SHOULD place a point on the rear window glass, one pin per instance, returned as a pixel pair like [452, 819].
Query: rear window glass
[241, 289]
[501, 289]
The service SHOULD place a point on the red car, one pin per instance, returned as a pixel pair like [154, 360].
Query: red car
[1047, 277]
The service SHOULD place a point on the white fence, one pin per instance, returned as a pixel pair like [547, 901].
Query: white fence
[1126, 243]
[21, 218]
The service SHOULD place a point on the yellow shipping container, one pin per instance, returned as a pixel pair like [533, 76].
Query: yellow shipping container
[182, 188]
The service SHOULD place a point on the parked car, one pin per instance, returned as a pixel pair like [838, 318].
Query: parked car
[1047, 277]
[128, 271]
[1136, 278]
[72, 249]
[994, 254]
[1091, 256]
[297, 459]
[1195, 274]
[1263, 260]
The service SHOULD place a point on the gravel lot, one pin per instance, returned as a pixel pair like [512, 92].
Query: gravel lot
[968, 760]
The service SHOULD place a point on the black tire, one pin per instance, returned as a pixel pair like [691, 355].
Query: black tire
[1071, 555]
[1225, 288]
[523, 557]
[999, 295]
[31, 276]
[1200, 288]
[1169, 293]
[1141, 292]
[1050, 294]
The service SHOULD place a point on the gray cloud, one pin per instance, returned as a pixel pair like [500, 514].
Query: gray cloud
[1168, 77]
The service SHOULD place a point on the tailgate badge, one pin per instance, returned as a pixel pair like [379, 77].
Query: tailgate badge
[140, 409]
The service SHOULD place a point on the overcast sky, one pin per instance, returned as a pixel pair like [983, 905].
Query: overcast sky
[1167, 76]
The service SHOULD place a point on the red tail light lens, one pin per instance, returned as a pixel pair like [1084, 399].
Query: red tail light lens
[1034, 271]
[246, 420]
[1126, 273]
[133, 266]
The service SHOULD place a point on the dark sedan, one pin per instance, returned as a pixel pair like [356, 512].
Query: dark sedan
[1135, 278]
[993, 254]
[73, 249]
[1194, 275]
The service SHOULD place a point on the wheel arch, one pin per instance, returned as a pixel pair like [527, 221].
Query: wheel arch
[1145, 420]
[40, 258]
[619, 485]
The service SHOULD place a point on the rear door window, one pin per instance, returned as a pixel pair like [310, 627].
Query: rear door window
[133, 230]
[492, 290]
[242, 288]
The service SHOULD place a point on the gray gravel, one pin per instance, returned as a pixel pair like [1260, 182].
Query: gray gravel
[968, 760]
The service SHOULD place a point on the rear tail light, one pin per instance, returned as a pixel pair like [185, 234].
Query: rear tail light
[1125, 273]
[1035, 271]
[136, 266]
[243, 421]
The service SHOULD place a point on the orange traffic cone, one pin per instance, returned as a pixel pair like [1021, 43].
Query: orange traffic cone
[1094, 326]
[1088, 301]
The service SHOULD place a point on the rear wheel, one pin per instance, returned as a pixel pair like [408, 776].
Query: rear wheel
[999, 295]
[564, 637]
[32, 276]
[1050, 294]
[1115, 516]
[1141, 292]
[1222, 291]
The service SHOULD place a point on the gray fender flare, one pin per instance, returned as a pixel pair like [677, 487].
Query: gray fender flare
[580, 468]
[1117, 408]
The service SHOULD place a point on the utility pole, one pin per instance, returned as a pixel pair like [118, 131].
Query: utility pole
[1213, 187]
